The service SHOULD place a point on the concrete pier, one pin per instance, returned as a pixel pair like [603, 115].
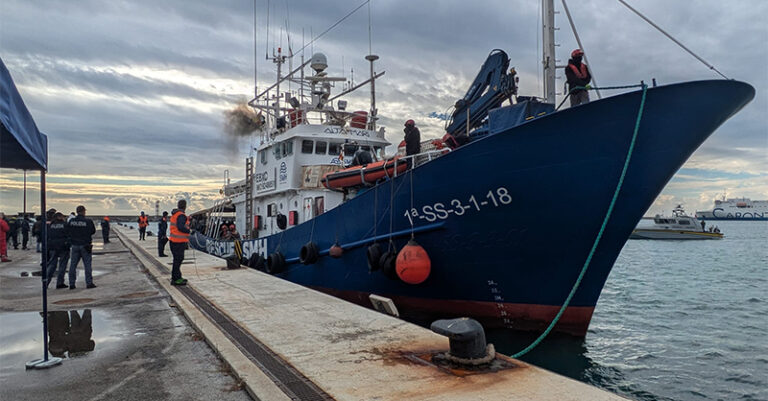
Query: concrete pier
[285, 341]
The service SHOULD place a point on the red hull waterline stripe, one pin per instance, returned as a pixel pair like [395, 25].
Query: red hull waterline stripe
[520, 317]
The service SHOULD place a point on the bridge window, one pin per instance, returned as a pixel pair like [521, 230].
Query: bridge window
[287, 148]
[306, 146]
[263, 156]
[277, 152]
[684, 222]
[333, 149]
[320, 147]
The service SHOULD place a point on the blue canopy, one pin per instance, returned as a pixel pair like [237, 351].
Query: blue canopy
[22, 145]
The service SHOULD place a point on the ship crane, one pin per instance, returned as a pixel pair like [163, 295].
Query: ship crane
[492, 86]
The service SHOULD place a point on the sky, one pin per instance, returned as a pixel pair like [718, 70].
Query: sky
[132, 94]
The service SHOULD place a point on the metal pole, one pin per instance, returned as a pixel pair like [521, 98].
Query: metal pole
[372, 58]
[24, 208]
[578, 40]
[44, 259]
[548, 40]
[45, 362]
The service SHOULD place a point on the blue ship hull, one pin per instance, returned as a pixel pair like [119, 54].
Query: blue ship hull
[509, 219]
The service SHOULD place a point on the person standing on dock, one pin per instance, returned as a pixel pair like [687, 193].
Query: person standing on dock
[578, 77]
[4, 229]
[412, 138]
[162, 237]
[37, 230]
[81, 232]
[143, 223]
[58, 250]
[105, 229]
[179, 238]
[24, 232]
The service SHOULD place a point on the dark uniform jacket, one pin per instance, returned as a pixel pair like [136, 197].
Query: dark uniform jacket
[81, 230]
[104, 225]
[58, 236]
[412, 140]
[162, 227]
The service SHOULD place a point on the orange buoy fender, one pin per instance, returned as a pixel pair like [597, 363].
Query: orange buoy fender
[413, 264]
[336, 251]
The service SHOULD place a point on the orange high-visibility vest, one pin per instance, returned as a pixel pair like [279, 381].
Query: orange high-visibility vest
[176, 235]
[580, 72]
[143, 221]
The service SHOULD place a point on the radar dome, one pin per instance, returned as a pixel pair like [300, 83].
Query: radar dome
[318, 62]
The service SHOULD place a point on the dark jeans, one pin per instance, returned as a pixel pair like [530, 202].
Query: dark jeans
[79, 252]
[105, 236]
[161, 241]
[24, 240]
[57, 258]
[142, 233]
[579, 97]
[177, 250]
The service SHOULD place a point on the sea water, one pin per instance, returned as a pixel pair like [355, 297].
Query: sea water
[677, 320]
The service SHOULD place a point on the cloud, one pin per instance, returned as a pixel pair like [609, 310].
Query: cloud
[132, 94]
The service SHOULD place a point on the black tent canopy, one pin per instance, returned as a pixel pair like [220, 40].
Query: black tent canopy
[23, 146]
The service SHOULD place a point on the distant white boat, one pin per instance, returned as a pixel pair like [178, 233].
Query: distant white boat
[678, 226]
[736, 209]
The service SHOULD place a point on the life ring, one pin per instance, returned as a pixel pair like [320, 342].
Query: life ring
[388, 264]
[275, 263]
[308, 253]
[374, 255]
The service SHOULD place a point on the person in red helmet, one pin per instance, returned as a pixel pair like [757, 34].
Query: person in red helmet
[578, 76]
[412, 138]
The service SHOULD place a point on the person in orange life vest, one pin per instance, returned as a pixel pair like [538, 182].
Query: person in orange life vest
[577, 75]
[143, 223]
[179, 237]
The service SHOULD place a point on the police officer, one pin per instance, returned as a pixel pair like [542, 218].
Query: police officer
[58, 250]
[81, 231]
[24, 222]
[162, 236]
[179, 238]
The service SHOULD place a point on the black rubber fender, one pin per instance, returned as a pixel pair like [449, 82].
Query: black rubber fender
[388, 264]
[309, 253]
[374, 255]
[256, 261]
[275, 263]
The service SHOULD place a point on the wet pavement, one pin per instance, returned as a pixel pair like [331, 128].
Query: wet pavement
[123, 340]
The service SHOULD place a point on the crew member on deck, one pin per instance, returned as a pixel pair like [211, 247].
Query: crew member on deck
[179, 238]
[143, 223]
[577, 75]
[412, 138]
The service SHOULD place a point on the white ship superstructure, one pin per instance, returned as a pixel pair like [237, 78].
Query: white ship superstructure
[736, 209]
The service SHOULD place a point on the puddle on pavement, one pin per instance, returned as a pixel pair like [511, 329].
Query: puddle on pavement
[71, 334]
[27, 273]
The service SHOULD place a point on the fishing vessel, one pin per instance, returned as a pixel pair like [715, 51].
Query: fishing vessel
[466, 200]
[735, 209]
[678, 226]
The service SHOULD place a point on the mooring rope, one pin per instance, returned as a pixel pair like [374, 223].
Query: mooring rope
[599, 234]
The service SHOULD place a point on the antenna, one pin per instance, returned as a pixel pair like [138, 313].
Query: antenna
[266, 43]
[255, 53]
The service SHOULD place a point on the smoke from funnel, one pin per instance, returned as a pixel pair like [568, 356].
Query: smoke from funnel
[242, 120]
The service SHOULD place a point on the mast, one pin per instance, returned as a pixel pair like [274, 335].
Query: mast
[548, 39]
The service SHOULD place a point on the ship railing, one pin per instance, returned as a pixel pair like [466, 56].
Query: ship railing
[420, 158]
